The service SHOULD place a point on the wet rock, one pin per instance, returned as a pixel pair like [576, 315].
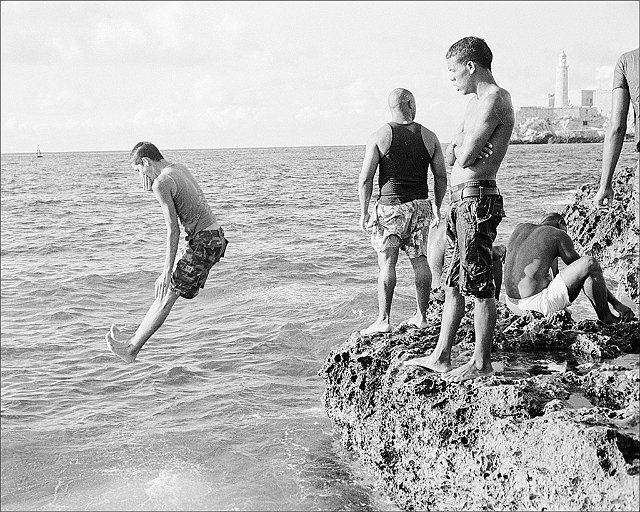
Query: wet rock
[509, 441]
[615, 387]
[548, 436]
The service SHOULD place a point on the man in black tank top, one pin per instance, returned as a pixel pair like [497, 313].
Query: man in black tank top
[404, 151]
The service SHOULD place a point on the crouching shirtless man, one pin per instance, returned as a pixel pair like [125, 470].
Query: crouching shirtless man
[532, 281]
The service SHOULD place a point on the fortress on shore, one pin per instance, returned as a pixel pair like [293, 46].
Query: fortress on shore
[560, 121]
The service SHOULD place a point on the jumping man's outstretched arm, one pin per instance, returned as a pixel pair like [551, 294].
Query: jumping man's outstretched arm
[163, 188]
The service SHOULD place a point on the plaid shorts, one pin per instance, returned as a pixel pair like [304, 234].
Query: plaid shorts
[204, 250]
[404, 225]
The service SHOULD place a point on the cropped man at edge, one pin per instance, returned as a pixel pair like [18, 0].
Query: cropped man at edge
[404, 151]
[624, 92]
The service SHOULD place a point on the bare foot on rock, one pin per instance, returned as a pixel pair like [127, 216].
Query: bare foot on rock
[122, 349]
[377, 327]
[417, 321]
[468, 371]
[429, 363]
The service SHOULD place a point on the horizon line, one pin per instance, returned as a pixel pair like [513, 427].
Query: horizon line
[181, 149]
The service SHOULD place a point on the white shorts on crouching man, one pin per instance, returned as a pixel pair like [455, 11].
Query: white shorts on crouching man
[554, 297]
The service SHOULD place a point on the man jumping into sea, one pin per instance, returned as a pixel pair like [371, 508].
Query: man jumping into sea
[181, 200]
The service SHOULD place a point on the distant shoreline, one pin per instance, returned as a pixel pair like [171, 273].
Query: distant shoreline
[551, 140]
[565, 139]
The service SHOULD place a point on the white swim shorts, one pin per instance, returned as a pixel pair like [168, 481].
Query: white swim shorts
[553, 298]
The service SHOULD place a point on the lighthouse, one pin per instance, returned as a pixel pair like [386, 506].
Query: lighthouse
[561, 97]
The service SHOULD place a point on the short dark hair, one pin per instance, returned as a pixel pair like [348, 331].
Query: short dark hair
[144, 149]
[472, 48]
[554, 219]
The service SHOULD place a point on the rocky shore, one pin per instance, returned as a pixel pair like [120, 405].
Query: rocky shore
[563, 130]
[557, 427]
[610, 235]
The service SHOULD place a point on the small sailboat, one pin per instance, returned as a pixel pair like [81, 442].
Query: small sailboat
[38, 153]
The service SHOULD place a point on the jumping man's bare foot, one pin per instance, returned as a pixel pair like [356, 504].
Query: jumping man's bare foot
[468, 371]
[122, 349]
[379, 326]
[430, 363]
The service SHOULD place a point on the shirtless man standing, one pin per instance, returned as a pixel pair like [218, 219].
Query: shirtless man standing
[181, 199]
[476, 152]
[404, 151]
[532, 281]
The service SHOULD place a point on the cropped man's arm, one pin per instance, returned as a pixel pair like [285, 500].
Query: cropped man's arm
[614, 138]
[365, 181]
[477, 137]
[439, 172]
[162, 189]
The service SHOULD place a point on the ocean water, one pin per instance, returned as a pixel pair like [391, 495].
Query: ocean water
[222, 410]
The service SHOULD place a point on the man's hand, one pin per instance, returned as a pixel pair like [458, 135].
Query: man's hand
[458, 139]
[436, 217]
[625, 313]
[162, 284]
[365, 222]
[602, 194]
[486, 151]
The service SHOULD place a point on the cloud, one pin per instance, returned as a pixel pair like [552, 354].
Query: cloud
[144, 33]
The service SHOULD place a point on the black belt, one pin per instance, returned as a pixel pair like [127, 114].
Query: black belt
[477, 188]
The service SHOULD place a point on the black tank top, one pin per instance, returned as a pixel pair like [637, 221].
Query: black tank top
[404, 167]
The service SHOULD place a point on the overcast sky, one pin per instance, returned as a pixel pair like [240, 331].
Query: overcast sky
[100, 76]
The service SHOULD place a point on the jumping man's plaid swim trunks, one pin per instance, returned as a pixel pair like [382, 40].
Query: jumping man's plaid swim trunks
[204, 250]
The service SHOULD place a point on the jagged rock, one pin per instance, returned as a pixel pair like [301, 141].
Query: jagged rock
[501, 442]
[510, 441]
[613, 387]
[610, 235]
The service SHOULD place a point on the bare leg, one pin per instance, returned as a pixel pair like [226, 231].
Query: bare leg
[440, 359]
[423, 289]
[497, 255]
[437, 244]
[386, 285]
[484, 323]
[586, 274]
[152, 321]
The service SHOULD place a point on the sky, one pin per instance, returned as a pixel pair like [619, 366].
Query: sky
[101, 76]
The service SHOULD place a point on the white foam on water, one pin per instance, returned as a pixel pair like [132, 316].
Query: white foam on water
[178, 489]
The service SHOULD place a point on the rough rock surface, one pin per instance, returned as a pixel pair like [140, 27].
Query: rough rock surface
[610, 235]
[512, 441]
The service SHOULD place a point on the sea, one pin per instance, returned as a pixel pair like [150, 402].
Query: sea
[223, 408]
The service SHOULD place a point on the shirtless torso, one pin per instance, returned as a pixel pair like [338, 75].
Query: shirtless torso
[532, 253]
[488, 119]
